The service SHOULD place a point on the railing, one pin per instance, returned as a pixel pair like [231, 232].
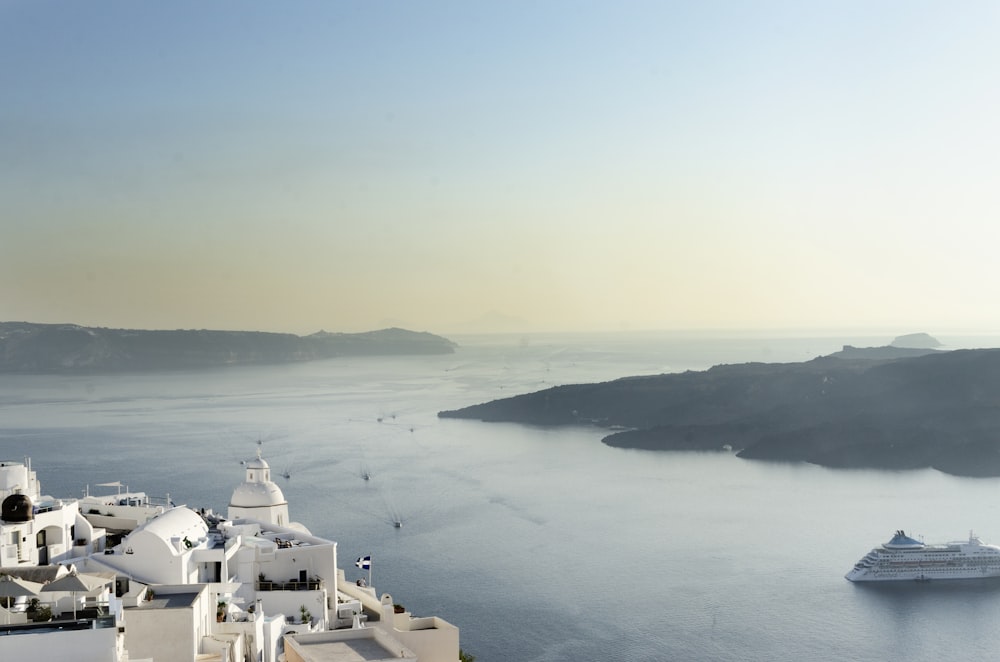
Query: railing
[310, 585]
[47, 507]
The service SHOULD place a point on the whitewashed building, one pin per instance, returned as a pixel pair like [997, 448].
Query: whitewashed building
[192, 585]
[37, 529]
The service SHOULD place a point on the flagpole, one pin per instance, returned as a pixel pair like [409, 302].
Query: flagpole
[365, 563]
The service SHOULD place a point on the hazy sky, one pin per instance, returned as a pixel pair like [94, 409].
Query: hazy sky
[292, 166]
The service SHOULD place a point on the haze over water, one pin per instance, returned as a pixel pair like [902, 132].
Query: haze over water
[476, 166]
[541, 545]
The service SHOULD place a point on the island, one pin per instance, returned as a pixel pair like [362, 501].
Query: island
[876, 409]
[27, 347]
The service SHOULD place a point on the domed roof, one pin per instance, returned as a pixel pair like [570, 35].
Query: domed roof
[16, 508]
[176, 522]
[258, 463]
[256, 495]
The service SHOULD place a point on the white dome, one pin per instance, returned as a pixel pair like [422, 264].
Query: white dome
[257, 495]
[179, 521]
[258, 463]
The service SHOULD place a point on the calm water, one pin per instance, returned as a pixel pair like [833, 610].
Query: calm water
[542, 545]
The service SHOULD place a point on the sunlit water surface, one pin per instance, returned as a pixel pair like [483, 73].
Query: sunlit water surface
[541, 545]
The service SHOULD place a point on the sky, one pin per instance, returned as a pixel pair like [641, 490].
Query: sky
[519, 166]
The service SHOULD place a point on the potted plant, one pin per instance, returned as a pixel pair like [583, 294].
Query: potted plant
[220, 611]
[42, 615]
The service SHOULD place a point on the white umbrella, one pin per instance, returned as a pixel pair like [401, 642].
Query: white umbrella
[14, 588]
[76, 583]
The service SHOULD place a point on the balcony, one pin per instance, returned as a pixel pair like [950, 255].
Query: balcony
[290, 585]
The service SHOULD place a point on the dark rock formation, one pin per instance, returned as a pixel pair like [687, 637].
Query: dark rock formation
[66, 348]
[938, 410]
[889, 352]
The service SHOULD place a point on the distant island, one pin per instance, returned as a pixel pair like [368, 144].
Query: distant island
[876, 408]
[916, 340]
[68, 348]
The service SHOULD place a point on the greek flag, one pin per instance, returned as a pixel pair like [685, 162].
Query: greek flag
[364, 562]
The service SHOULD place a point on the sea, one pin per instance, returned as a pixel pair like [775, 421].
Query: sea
[540, 544]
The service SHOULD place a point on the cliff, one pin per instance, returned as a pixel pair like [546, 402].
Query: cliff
[939, 410]
[68, 348]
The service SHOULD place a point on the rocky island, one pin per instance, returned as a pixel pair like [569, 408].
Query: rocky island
[68, 348]
[888, 409]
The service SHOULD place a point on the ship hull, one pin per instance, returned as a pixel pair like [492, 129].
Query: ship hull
[924, 575]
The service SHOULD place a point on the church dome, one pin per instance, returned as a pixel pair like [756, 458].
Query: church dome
[16, 508]
[258, 463]
[257, 495]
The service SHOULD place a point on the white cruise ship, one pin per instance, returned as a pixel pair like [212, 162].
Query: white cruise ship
[904, 558]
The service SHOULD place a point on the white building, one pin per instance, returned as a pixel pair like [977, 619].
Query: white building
[258, 497]
[191, 585]
[37, 529]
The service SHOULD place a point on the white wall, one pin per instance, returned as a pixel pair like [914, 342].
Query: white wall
[77, 645]
[166, 635]
[289, 603]
[433, 639]
[12, 617]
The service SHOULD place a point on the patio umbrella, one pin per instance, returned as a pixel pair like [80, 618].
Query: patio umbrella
[76, 583]
[15, 587]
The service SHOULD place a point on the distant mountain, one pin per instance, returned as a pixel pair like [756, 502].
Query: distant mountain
[917, 340]
[68, 348]
[939, 410]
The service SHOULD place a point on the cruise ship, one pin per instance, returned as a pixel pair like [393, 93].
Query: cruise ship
[904, 558]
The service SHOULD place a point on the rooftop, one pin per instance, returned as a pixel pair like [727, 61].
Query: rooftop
[358, 650]
[365, 645]
[170, 601]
